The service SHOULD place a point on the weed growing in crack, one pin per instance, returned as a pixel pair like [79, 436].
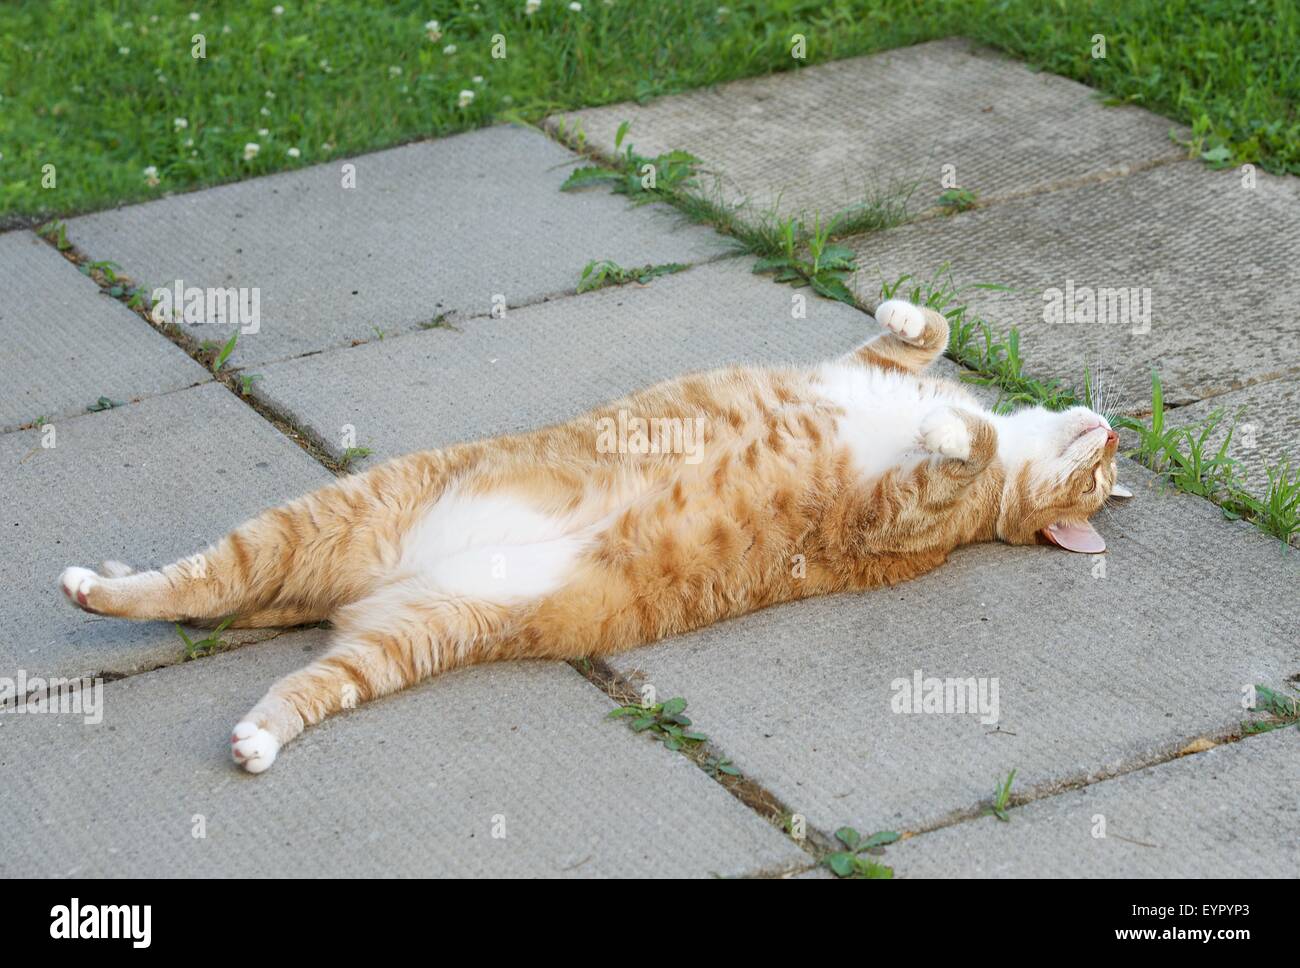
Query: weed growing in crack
[956, 200]
[666, 721]
[208, 645]
[851, 863]
[104, 403]
[1284, 710]
[1181, 455]
[600, 273]
[351, 455]
[1002, 798]
[640, 178]
[825, 267]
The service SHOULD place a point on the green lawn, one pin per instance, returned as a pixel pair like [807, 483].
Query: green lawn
[110, 95]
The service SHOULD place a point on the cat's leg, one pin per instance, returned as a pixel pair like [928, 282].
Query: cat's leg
[288, 565]
[405, 632]
[914, 337]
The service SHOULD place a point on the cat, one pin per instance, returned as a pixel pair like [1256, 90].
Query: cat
[570, 542]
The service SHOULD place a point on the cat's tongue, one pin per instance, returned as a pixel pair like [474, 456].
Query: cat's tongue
[1081, 537]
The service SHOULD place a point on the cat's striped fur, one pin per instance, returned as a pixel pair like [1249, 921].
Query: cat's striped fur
[853, 474]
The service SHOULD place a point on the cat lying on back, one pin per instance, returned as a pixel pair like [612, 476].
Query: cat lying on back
[855, 473]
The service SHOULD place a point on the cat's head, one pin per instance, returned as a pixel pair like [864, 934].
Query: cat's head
[1060, 469]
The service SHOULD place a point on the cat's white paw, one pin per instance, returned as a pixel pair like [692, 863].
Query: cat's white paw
[115, 569]
[77, 584]
[901, 318]
[252, 747]
[943, 432]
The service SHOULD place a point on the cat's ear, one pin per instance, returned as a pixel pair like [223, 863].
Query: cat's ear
[1081, 537]
[1120, 491]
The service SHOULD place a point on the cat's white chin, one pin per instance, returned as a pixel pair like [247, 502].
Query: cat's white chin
[252, 747]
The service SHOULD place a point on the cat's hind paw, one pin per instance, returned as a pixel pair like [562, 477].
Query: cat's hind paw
[901, 318]
[944, 432]
[252, 747]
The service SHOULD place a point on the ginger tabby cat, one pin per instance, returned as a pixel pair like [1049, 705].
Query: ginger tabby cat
[551, 544]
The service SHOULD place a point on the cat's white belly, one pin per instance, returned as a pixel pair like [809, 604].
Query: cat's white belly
[493, 547]
[881, 427]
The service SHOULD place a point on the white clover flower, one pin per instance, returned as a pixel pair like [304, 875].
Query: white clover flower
[395, 71]
[532, 6]
[194, 16]
[449, 49]
[124, 51]
[576, 7]
[250, 150]
[180, 123]
[277, 10]
[293, 152]
[189, 142]
[263, 132]
[434, 30]
[151, 171]
[270, 95]
[477, 78]
[466, 99]
[265, 112]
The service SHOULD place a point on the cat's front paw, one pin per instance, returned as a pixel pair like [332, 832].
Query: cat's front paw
[944, 432]
[901, 318]
[79, 587]
[252, 747]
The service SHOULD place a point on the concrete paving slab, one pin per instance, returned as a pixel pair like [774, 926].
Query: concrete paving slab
[1097, 671]
[65, 345]
[824, 138]
[1267, 430]
[1211, 259]
[553, 361]
[412, 785]
[143, 484]
[1233, 811]
[438, 227]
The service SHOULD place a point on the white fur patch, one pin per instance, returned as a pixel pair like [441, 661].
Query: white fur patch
[77, 582]
[883, 411]
[493, 547]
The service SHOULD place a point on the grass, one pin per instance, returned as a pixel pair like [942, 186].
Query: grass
[103, 102]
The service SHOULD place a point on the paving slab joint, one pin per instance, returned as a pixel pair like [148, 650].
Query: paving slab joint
[231, 379]
[748, 791]
[1180, 750]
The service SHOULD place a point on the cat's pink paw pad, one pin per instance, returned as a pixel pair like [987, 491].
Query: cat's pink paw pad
[901, 318]
[945, 433]
[77, 585]
[252, 747]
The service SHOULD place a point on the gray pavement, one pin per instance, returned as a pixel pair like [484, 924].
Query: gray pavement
[1210, 259]
[434, 228]
[1230, 812]
[825, 138]
[66, 344]
[552, 361]
[504, 770]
